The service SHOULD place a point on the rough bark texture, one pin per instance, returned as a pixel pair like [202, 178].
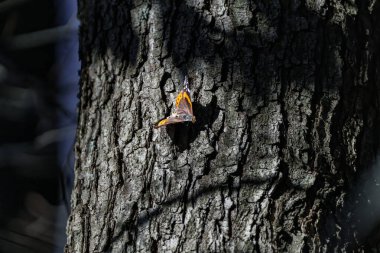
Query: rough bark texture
[287, 104]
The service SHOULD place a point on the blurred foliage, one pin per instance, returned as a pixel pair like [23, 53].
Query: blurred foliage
[34, 186]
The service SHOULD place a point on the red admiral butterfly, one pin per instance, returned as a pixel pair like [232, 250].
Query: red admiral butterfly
[183, 108]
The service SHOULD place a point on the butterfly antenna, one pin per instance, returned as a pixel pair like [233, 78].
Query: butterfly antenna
[186, 84]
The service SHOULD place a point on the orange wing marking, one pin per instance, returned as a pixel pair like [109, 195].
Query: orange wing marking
[178, 99]
[186, 96]
[182, 95]
[161, 123]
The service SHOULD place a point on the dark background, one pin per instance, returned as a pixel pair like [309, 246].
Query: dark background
[38, 88]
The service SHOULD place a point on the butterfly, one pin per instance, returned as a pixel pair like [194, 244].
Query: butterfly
[183, 108]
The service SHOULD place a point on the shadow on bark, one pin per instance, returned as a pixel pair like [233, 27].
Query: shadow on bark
[152, 213]
[183, 134]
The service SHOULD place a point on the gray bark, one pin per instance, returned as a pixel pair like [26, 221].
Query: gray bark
[286, 95]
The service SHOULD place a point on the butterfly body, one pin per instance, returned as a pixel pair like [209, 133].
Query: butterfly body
[183, 109]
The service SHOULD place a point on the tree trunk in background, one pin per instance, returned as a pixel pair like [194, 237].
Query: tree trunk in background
[286, 95]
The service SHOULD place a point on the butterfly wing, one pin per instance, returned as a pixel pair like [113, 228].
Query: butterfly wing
[183, 110]
[183, 103]
[167, 121]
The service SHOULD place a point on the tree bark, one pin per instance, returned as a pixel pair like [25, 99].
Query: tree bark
[286, 96]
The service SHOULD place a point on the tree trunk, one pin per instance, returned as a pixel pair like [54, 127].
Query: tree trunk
[286, 96]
